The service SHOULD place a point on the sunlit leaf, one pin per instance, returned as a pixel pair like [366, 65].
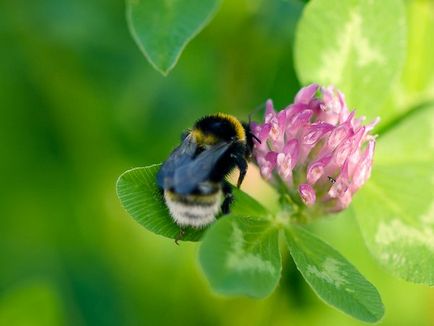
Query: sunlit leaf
[418, 76]
[395, 209]
[240, 256]
[143, 200]
[162, 28]
[358, 46]
[416, 85]
[332, 277]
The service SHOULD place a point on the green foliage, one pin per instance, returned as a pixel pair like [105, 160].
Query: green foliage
[417, 82]
[33, 303]
[241, 256]
[240, 252]
[395, 209]
[80, 104]
[332, 277]
[162, 28]
[344, 43]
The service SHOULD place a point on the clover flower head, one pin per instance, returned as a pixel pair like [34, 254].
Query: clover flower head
[320, 151]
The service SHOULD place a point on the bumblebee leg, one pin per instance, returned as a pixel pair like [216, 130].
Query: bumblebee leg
[179, 236]
[229, 198]
[242, 166]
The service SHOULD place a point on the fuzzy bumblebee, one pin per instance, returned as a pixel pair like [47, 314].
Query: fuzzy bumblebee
[193, 178]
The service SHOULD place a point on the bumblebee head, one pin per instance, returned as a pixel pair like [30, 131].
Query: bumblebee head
[250, 137]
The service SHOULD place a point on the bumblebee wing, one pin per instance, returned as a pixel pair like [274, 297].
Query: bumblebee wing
[189, 175]
[180, 156]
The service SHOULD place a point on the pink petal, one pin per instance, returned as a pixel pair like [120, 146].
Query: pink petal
[281, 119]
[316, 169]
[294, 109]
[340, 187]
[264, 132]
[338, 135]
[372, 124]
[363, 169]
[293, 149]
[276, 136]
[266, 164]
[271, 157]
[284, 167]
[307, 194]
[332, 102]
[300, 119]
[270, 113]
[306, 94]
[316, 131]
[345, 149]
[341, 202]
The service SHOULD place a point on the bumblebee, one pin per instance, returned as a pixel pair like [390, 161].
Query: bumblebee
[193, 178]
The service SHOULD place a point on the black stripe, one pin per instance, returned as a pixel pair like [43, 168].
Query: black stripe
[192, 216]
[192, 202]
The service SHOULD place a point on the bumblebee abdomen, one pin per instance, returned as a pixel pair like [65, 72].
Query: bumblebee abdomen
[193, 210]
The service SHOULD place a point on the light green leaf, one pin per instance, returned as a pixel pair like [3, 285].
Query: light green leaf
[358, 46]
[143, 200]
[395, 209]
[416, 85]
[240, 256]
[162, 28]
[332, 277]
[417, 82]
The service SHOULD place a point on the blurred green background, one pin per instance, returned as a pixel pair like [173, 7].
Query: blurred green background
[80, 104]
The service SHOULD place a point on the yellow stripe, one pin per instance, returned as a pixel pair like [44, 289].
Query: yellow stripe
[201, 138]
[206, 199]
[239, 129]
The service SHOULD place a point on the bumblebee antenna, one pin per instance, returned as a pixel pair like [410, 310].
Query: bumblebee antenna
[255, 138]
[256, 109]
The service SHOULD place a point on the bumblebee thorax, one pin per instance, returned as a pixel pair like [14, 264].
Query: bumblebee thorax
[217, 128]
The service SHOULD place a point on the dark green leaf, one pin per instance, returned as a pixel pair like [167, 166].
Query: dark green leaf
[332, 277]
[162, 28]
[240, 256]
